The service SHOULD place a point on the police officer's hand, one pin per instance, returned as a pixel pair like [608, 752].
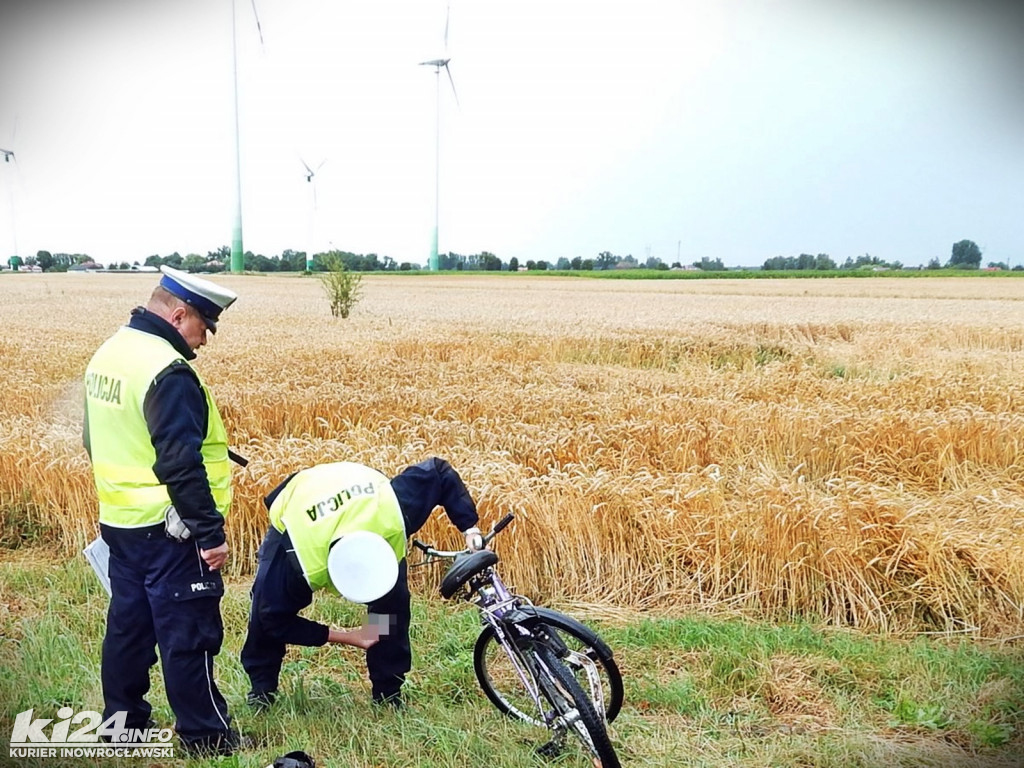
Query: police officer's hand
[474, 540]
[364, 637]
[216, 557]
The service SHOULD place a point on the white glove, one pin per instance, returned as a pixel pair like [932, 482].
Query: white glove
[474, 540]
[174, 526]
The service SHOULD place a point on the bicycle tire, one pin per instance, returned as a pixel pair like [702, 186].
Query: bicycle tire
[502, 687]
[563, 691]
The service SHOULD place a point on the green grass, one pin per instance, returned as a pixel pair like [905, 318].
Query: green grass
[700, 690]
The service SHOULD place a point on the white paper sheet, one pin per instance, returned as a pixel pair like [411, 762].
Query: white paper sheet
[98, 555]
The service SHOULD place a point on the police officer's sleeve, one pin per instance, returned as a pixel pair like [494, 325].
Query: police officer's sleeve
[176, 413]
[429, 484]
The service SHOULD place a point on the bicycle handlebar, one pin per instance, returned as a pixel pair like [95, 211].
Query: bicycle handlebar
[431, 552]
[499, 527]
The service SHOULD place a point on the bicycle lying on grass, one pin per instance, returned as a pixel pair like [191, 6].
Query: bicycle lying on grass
[535, 664]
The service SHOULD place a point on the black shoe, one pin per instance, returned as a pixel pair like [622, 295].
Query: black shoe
[391, 700]
[296, 759]
[261, 701]
[220, 745]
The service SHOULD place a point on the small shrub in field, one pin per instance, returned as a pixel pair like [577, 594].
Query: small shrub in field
[342, 286]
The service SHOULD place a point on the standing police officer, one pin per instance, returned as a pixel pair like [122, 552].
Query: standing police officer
[160, 462]
[343, 527]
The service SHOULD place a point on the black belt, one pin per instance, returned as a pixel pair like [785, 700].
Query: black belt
[145, 532]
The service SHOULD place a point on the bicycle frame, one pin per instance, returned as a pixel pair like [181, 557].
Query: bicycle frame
[520, 630]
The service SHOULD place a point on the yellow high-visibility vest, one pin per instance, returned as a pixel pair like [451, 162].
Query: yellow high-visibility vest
[321, 504]
[116, 381]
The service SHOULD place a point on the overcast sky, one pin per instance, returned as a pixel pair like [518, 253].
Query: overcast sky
[679, 129]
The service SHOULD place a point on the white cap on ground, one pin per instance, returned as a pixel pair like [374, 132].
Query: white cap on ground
[362, 566]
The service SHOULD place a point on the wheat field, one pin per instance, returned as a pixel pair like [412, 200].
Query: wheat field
[842, 450]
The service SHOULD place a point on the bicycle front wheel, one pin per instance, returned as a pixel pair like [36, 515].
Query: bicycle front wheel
[588, 655]
[574, 709]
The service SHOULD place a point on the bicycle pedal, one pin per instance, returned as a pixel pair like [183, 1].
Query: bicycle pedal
[550, 749]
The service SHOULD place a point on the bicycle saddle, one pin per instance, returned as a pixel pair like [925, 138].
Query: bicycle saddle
[465, 567]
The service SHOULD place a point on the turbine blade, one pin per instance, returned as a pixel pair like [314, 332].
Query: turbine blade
[447, 14]
[321, 164]
[304, 165]
[257, 17]
[450, 80]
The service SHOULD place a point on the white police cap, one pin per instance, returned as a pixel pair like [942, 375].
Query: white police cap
[208, 299]
[362, 566]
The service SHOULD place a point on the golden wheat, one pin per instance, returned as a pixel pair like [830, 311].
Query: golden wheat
[847, 450]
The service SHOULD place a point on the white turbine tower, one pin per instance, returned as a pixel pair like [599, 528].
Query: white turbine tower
[310, 175]
[437, 64]
[237, 257]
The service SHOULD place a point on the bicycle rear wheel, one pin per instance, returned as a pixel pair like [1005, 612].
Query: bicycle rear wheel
[500, 683]
[574, 708]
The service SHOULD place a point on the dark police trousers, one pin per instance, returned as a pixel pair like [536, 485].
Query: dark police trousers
[280, 591]
[163, 595]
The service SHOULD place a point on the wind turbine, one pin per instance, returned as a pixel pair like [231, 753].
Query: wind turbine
[310, 174]
[237, 257]
[437, 64]
[8, 156]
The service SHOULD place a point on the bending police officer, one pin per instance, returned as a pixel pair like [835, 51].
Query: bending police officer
[343, 527]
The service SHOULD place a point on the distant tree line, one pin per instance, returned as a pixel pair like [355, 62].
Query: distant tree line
[288, 261]
[49, 262]
[965, 254]
[803, 261]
